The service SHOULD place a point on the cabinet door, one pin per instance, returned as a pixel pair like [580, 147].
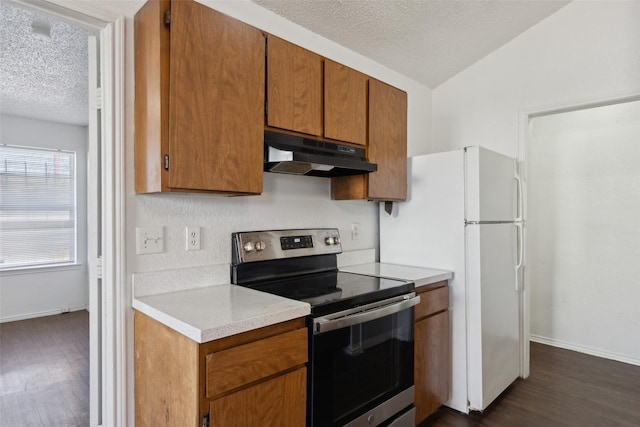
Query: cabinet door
[280, 401]
[345, 103]
[216, 101]
[387, 141]
[387, 148]
[294, 87]
[151, 137]
[431, 364]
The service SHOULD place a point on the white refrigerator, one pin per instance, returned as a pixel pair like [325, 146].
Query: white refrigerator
[463, 214]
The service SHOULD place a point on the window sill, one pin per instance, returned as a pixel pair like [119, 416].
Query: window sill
[42, 269]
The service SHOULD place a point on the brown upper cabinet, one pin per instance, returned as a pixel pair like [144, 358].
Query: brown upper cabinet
[387, 147]
[199, 107]
[345, 103]
[294, 87]
[315, 96]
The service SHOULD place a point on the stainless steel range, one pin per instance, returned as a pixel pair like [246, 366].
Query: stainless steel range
[361, 341]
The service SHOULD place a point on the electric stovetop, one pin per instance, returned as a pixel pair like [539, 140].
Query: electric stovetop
[332, 291]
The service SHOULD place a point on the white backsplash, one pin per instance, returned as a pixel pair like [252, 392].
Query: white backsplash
[287, 202]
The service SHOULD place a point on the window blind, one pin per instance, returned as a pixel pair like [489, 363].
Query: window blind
[37, 207]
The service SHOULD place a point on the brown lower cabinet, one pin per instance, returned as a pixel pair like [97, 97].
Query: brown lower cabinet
[432, 355]
[254, 378]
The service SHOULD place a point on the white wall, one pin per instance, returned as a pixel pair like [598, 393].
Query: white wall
[586, 52]
[583, 246]
[41, 292]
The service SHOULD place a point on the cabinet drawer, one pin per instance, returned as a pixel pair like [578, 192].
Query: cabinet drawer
[279, 401]
[238, 366]
[432, 302]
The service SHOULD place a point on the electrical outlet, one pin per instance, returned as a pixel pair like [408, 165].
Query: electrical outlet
[355, 231]
[149, 240]
[193, 238]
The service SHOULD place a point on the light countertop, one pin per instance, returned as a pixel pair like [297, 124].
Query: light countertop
[420, 276]
[212, 312]
[200, 304]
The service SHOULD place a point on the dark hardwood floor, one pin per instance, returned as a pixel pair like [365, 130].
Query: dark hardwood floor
[44, 371]
[44, 381]
[565, 388]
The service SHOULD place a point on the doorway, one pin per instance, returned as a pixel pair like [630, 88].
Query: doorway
[583, 230]
[104, 261]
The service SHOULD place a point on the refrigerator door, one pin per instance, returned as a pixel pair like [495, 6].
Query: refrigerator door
[493, 329]
[491, 188]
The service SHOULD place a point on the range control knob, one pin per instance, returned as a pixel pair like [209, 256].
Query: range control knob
[248, 247]
[260, 245]
[332, 240]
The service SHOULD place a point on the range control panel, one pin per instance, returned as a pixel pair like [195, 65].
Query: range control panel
[296, 242]
[254, 246]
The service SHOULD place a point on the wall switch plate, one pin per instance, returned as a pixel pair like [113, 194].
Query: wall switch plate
[149, 240]
[355, 231]
[193, 238]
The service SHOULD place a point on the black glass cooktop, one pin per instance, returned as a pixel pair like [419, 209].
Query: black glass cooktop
[334, 290]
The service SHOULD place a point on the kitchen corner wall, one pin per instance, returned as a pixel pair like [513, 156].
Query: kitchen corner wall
[585, 53]
[287, 201]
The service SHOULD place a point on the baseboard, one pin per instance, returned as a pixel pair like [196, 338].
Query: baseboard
[583, 349]
[40, 314]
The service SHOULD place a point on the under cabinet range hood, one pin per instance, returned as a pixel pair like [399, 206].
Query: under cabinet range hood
[284, 153]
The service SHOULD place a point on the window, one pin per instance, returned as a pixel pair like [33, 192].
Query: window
[37, 207]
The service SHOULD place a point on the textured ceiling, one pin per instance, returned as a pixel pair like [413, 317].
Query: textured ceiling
[43, 78]
[429, 41]
[426, 40]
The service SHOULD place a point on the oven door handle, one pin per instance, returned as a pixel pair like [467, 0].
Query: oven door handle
[364, 313]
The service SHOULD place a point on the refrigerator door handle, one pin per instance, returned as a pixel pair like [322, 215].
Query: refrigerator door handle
[519, 201]
[520, 237]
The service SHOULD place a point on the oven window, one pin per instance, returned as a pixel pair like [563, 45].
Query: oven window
[358, 367]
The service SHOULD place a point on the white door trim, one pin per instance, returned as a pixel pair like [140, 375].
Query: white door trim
[524, 145]
[112, 50]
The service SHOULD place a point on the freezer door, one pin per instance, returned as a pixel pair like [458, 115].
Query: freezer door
[491, 190]
[493, 331]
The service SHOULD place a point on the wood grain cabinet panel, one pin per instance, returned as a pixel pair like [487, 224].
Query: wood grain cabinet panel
[245, 364]
[432, 351]
[202, 113]
[432, 302]
[345, 103]
[166, 375]
[256, 378]
[278, 402]
[294, 87]
[387, 148]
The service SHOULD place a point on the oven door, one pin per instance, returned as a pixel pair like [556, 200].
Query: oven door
[361, 368]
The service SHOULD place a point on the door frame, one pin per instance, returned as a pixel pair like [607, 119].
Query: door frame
[113, 310]
[523, 149]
